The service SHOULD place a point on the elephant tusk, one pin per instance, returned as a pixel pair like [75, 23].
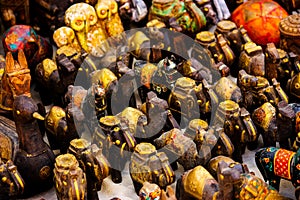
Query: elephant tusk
[37, 115]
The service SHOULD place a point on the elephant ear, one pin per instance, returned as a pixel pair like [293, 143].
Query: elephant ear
[22, 60]
[10, 63]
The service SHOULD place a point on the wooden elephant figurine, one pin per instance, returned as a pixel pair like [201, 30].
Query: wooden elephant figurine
[117, 141]
[265, 119]
[196, 184]
[237, 124]
[176, 145]
[69, 178]
[151, 191]
[147, 164]
[234, 182]
[94, 164]
[276, 163]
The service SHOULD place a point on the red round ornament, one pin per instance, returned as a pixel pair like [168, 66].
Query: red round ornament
[261, 20]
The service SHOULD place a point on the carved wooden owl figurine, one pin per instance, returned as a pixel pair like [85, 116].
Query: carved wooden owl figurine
[65, 36]
[82, 18]
[107, 12]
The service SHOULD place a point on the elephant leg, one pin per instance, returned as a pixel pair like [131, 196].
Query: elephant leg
[243, 148]
[116, 176]
[179, 189]
[237, 154]
[253, 145]
[275, 182]
[137, 186]
[285, 144]
[297, 192]
[174, 166]
[269, 139]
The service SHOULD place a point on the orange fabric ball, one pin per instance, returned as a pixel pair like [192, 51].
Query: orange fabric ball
[261, 20]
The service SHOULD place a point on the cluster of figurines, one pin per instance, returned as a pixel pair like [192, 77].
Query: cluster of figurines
[170, 94]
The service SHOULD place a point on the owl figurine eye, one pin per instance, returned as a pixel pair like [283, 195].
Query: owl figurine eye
[74, 18]
[91, 15]
[102, 11]
[114, 7]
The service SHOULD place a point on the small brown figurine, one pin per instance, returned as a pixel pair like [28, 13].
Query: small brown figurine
[95, 167]
[285, 123]
[70, 180]
[117, 140]
[256, 90]
[264, 118]
[226, 89]
[35, 160]
[237, 124]
[252, 59]
[197, 184]
[57, 129]
[212, 166]
[159, 117]
[272, 61]
[217, 47]
[12, 184]
[149, 165]
[177, 145]
[15, 80]
[210, 141]
[190, 100]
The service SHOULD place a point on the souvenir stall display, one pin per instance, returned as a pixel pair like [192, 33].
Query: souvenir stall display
[149, 99]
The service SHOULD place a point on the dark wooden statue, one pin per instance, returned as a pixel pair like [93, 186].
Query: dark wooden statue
[95, 167]
[35, 160]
